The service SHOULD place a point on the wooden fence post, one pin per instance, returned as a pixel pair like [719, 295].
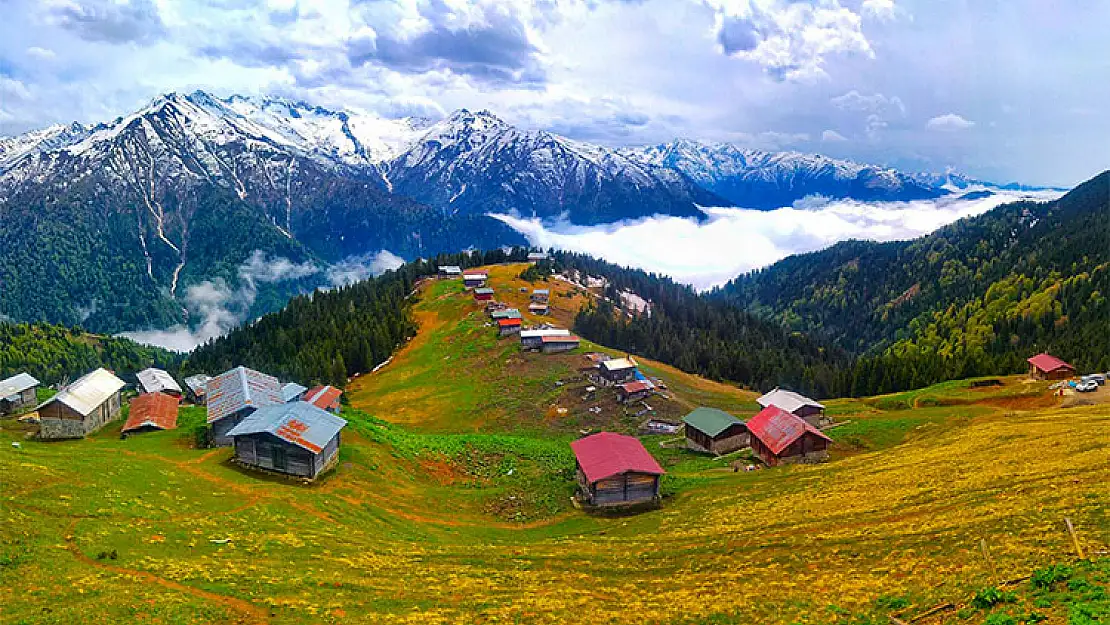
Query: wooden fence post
[1074, 538]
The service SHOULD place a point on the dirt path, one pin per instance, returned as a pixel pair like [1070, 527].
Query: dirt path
[250, 612]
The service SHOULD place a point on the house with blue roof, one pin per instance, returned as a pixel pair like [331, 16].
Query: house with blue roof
[295, 439]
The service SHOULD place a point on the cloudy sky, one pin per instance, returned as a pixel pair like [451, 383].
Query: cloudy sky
[1000, 89]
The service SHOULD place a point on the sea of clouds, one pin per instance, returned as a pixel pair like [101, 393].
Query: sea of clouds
[732, 241]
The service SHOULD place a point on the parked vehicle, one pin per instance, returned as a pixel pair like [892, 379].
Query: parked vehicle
[1099, 378]
[1087, 387]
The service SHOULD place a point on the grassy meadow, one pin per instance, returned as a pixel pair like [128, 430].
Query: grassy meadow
[451, 504]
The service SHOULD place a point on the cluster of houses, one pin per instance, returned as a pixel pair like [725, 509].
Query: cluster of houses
[621, 373]
[288, 429]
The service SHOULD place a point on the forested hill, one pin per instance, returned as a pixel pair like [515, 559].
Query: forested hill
[54, 353]
[981, 293]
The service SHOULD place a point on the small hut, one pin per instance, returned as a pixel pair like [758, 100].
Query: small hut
[558, 344]
[17, 392]
[534, 257]
[533, 339]
[537, 308]
[196, 388]
[450, 271]
[296, 439]
[291, 391]
[157, 381]
[151, 411]
[778, 437]
[505, 313]
[1049, 367]
[541, 295]
[634, 391]
[324, 398]
[618, 370]
[483, 294]
[714, 431]
[82, 407]
[508, 327]
[615, 470]
[234, 395]
[796, 404]
[474, 279]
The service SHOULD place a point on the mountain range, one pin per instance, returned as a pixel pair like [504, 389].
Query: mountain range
[110, 224]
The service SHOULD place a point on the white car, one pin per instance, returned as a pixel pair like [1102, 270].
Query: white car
[1087, 387]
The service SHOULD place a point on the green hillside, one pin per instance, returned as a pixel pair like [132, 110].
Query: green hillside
[450, 504]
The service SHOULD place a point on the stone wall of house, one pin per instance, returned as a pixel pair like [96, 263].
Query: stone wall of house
[57, 429]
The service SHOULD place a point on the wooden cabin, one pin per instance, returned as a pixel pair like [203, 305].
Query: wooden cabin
[778, 437]
[295, 439]
[634, 391]
[535, 257]
[157, 381]
[325, 398]
[796, 404]
[196, 388]
[234, 395]
[533, 339]
[450, 271]
[291, 391]
[615, 470]
[17, 393]
[559, 344]
[82, 407]
[714, 431]
[475, 279]
[536, 308]
[618, 370]
[483, 294]
[150, 412]
[505, 313]
[508, 327]
[1049, 367]
[541, 295]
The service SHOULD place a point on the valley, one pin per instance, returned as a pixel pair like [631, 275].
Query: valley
[451, 503]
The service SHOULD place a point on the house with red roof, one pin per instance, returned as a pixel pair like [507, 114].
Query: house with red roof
[778, 437]
[615, 470]
[634, 391]
[324, 398]
[150, 412]
[1049, 367]
[508, 327]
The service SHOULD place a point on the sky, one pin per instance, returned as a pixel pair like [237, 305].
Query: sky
[1003, 90]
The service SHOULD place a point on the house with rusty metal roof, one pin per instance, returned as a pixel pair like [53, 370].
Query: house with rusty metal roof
[297, 439]
[82, 407]
[714, 431]
[17, 392]
[151, 411]
[634, 391]
[324, 398]
[778, 437]
[235, 394]
[157, 381]
[615, 470]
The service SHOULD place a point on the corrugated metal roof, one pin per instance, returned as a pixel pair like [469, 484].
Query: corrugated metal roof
[537, 306]
[89, 391]
[152, 409]
[452, 269]
[606, 454]
[635, 387]
[541, 292]
[17, 384]
[777, 428]
[618, 364]
[787, 400]
[508, 322]
[299, 423]
[198, 383]
[292, 391]
[1048, 362]
[156, 380]
[535, 334]
[239, 388]
[537, 256]
[485, 290]
[710, 420]
[323, 397]
[560, 339]
[508, 313]
[475, 275]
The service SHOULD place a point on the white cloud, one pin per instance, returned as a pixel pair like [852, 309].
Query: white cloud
[733, 241]
[949, 122]
[359, 268]
[874, 103]
[42, 54]
[879, 9]
[832, 136]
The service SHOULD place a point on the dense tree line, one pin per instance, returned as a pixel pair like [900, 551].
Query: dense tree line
[56, 354]
[328, 336]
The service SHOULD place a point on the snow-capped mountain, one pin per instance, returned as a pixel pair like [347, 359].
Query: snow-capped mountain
[766, 180]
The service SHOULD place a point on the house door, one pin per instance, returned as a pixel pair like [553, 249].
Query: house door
[279, 457]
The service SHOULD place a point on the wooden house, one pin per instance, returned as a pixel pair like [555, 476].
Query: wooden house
[714, 431]
[151, 411]
[475, 279]
[558, 344]
[17, 392]
[235, 394]
[82, 407]
[508, 327]
[618, 370]
[534, 257]
[324, 398]
[295, 439]
[196, 388]
[483, 294]
[291, 391]
[798, 405]
[533, 339]
[541, 295]
[538, 308]
[157, 381]
[634, 391]
[1049, 367]
[505, 313]
[778, 437]
[450, 271]
[615, 470]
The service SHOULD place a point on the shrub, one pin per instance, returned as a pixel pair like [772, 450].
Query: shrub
[989, 597]
[1048, 577]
